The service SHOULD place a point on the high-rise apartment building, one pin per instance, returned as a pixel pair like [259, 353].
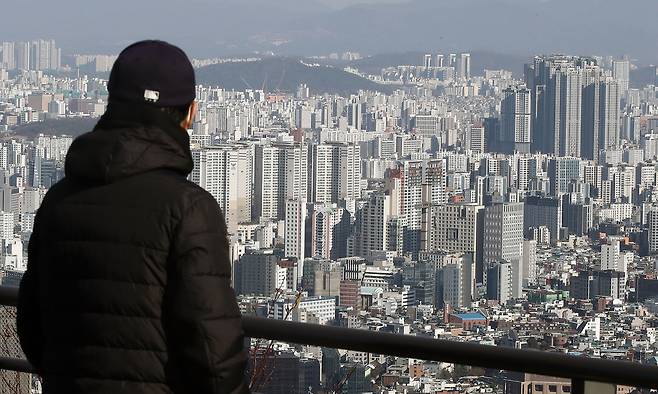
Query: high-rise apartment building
[613, 259]
[456, 228]
[600, 113]
[529, 262]
[423, 181]
[32, 55]
[458, 280]
[652, 221]
[327, 230]
[280, 174]
[371, 232]
[427, 61]
[621, 72]
[516, 119]
[503, 232]
[503, 282]
[477, 141]
[226, 173]
[259, 273]
[464, 66]
[23, 60]
[543, 211]
[295, 232]
[576, 107]
[556, 85]
[336, 172]
[8, 60]
[562, 171]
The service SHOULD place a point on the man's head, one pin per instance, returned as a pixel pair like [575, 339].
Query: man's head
[157, 74]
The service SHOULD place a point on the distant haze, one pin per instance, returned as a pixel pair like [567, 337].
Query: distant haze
[314, 27]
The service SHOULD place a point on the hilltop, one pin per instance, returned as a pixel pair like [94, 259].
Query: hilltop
[285, 74]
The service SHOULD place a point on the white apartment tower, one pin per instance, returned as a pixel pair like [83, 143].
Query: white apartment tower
[423, 181]
[336, 172]
[294, 232]
[458, 280]
[529, 263]
[621, 72]
[503, 232]
[280, 174]
[226, 172]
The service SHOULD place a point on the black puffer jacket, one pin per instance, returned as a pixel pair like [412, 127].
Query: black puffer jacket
[128, 282]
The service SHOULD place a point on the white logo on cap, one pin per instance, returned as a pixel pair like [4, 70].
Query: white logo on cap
[151, 95]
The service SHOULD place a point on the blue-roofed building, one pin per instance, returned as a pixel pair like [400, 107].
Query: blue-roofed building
[468, 320]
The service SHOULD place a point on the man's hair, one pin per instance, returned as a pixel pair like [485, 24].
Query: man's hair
[177, 114]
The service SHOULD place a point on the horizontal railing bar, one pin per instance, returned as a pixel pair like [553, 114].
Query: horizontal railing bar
[531, 361]
[15, 364]
[408, 346]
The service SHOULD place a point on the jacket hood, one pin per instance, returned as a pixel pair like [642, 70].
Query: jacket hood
[129, 139]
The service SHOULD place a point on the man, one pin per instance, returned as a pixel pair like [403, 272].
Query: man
[127, 288]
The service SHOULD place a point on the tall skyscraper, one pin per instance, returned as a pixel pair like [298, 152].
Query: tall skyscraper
[458, 280]
[8, 56]
[427, 61]
[423, 181]
[40, 52]
[600, 114]
[336, 173]
[452, 60]
[328, 229]
[516, 119]
[439, 60]
[502, 281]
[226, 173]
[464, 66]
[576, 108]
[529, 262]
[23, 56]
[295, 232]
[652, 221]
[477, 141]
[562, 171]
[556, 84]
[373, 230]
[621, 72]
[454, 227]
[503, 232]
[280, 174]
[543, 211]
[259, 273]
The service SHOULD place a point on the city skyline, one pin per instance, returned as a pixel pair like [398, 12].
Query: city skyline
[450, 201]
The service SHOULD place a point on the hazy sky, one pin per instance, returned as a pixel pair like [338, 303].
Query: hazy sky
[314, 27]
[345, 3]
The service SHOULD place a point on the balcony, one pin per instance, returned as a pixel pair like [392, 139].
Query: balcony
[587, 375]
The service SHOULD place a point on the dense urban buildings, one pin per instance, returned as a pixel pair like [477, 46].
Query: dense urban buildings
[494, 209]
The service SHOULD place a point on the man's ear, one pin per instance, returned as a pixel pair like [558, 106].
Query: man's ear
[189, 119]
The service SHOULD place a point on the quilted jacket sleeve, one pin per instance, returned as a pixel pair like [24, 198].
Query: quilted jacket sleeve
[201, 311]
[28, 313]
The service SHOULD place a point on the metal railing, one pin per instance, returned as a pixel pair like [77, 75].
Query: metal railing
[582, 371]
